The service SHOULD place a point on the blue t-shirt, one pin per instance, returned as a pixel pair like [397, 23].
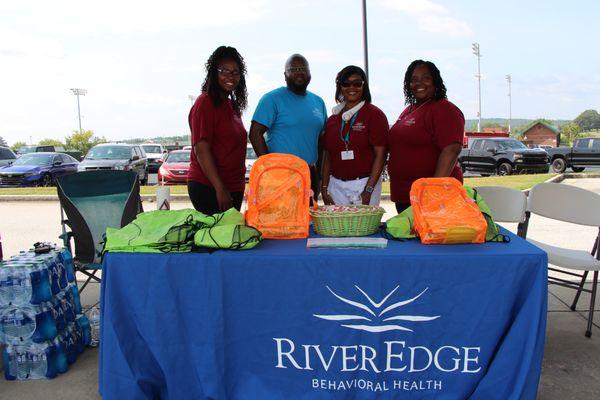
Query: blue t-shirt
[294, 122]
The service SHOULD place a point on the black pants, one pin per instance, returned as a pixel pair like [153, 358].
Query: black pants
[315, 183]
[204, 198]
[400, 206]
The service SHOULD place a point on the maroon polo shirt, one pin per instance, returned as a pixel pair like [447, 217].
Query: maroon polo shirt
[369, 129]
[416, 140]
[223, 129]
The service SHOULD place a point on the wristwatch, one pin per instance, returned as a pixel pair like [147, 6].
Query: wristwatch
[369, 189]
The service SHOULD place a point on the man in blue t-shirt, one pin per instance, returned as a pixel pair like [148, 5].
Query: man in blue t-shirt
[292, 118]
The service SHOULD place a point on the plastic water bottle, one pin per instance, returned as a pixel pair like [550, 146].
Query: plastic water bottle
[67, 260]
[94, 326]
[74, 297]
[16, 363]
[84, 325]
[17, 325]
[15, 285]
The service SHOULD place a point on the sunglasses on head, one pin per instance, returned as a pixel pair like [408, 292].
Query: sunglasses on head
[354, 84]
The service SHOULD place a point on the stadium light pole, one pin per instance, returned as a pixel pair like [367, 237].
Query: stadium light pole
[476, 51]
[192, 98]
[509, 80]
[79, 92]
[365, 46]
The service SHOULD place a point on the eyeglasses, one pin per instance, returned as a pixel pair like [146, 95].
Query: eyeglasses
[354, 84]
[228, 72]
[296, 70]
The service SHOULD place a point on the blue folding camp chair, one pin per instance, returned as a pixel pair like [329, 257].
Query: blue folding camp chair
[93, 201]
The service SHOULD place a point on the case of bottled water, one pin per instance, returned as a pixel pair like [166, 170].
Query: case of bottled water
[41, 320]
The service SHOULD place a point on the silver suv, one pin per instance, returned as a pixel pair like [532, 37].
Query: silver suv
[119, 156]
[6, 156]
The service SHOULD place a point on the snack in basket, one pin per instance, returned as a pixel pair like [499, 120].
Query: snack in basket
[346, 220]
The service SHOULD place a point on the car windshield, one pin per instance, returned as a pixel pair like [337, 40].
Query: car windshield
[151, 148]
[178, 157]
[109, 153]
[250, 154]
[34, 159]
[511, 145]
[26, 149]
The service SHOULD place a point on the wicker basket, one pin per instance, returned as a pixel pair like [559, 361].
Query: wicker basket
[362, 221]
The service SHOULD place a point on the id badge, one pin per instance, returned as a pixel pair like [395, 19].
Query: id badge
[348, 155]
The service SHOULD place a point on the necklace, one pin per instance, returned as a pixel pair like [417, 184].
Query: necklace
[412, 111]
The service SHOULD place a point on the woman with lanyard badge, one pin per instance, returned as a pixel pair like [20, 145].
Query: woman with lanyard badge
[354, 143]
[428, 136]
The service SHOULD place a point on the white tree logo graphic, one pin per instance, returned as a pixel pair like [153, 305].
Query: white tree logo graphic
[375, 321]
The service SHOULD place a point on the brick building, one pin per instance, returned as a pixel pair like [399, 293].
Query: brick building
[541, 133]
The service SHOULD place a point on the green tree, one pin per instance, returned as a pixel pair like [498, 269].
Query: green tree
[588, 120]
[492, 125]
[17, 145]
[83, 141]
[568, 133]
[3, 142]
[51, 142]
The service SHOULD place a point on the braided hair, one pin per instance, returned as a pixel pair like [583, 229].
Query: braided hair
[239, 96]
[438, 82]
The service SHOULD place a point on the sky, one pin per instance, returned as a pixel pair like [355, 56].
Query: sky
[141, 60]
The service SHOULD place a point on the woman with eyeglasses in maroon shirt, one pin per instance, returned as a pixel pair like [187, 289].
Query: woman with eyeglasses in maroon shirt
[354, 143]
[216, 178]
[428, 136]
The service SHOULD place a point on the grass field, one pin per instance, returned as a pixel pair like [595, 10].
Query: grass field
[513, 181]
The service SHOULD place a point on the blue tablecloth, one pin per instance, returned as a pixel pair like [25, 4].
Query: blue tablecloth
[285, 322]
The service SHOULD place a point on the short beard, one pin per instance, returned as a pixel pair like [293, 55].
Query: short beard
[296, 88]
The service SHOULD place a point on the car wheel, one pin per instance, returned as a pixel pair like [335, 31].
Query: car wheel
[144, 180]
[577, 169]
[46, 180]
[504, 169]
[559, 165]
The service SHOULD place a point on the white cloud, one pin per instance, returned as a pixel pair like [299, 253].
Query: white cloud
[431, 17]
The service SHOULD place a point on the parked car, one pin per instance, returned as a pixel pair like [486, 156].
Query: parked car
[6, 156]
[502, 156]
[76, 154]
[119, 156]
[250, 158]
[154, 153]
[37, 169]
[584, 153]
[175, 167]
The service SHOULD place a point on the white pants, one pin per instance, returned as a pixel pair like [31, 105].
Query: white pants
[348, 192]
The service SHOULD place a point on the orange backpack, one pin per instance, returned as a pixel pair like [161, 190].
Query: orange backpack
[444, 213]
[278, 196]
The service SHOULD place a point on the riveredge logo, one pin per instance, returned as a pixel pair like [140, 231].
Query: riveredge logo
[379, 359]
[381, 323]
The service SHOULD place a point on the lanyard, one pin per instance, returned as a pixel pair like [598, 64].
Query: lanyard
[346, 138]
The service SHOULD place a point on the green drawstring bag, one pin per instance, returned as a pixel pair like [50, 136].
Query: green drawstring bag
[232, 237]
[401, 226]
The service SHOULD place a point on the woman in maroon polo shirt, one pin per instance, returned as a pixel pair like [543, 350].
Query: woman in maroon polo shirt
[428, 136]
[216, 178]
[354, 143]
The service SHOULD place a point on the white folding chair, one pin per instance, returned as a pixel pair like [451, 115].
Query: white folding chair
[578, 206]
[506, 204]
